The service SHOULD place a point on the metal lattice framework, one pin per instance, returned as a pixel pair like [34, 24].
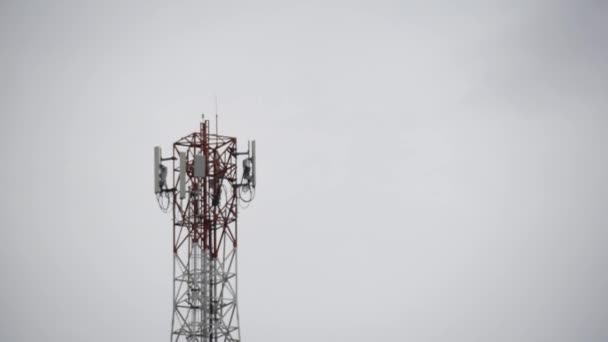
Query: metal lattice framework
[205, 241]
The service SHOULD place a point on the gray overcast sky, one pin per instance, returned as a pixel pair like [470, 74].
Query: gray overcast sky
[428, 171]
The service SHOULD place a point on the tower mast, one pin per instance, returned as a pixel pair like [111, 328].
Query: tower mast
[204, 197]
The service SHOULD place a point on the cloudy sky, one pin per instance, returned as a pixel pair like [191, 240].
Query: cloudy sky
[428, 170]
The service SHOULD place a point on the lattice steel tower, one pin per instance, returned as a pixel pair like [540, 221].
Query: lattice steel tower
[204, 198]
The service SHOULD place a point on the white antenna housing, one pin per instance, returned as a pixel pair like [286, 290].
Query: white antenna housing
[157, 156]
[182, 175]
[200, 165]
[253, 163]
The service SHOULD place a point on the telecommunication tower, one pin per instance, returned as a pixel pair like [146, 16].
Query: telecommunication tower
[204, 198]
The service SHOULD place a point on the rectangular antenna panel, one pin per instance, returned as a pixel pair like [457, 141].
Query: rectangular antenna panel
[199, 165]
[182, 175]
[157, 154]
[253, 162]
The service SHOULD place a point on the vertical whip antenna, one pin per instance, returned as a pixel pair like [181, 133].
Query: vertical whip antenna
[216, 124]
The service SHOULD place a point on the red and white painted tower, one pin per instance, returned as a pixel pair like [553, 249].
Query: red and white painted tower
[204, 198]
